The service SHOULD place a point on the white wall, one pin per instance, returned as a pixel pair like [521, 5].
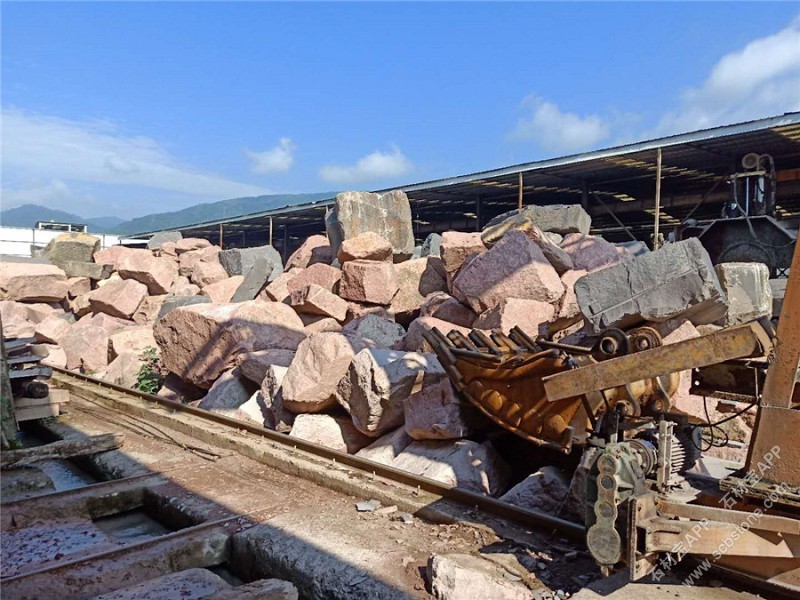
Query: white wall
[16, 241]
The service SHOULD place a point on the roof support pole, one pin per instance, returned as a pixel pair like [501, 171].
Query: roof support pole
[658, 198]
[270, 231]
[220, 236]
[478, 218]
[285, 247]
[519, 202]
[585, 196]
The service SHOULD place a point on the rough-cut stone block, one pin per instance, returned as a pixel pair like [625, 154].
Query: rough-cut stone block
[86, 348]
[107, 322]
[386, 448]
[568, 312]
[368, 281]
[172, 302]
[388, 215]
[131, 339]
[239, 261]
[557, 257]
[208, 272]
[118, 298]
[188, 261]
[675, 280]
[189, 244]
[199, 342]
[256, 280]
[356, 310]
[14, 316]
[315, 249]
[634, 248]
[271, 400]
[318, 324]
[528, 315]
[319, 274]
[222, 291]
[365, 246]
[416, 279]
[111, 255]
[321, 361]
[316, 300]
[332, 431]
[254, 365]
[431, 246]
[175, 388]
[183, 287]
[228, 394]
[456, 246]
[748, 290]
[590, 253]
[373, 328]
[514, 268]
[555, 218]
[544, 491]
[148, 310]
[278, 290]
[79, 286]
[463, 463]
[379, 381]
[415, 342]
[161, 238]
[31, 282]
[453, 311]
[89, 270]
[51, 330]
[72, 246]
[462, 576]
[123, 369]
[56, 357]
[158, 274]
[436, 413]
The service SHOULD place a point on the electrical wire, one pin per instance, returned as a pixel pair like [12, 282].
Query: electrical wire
[712, 426]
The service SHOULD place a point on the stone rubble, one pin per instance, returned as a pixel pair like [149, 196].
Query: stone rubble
[332, 351]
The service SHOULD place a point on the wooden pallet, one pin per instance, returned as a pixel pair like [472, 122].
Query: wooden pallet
[28, 409]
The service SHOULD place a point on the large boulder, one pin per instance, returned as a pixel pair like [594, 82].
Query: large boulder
[239, 261]
[163, 237]
[72, 246]
[379, 381]
[188, 261]
[456, 247]
[171, 302]
[131, 339]
[254, 365]
[148, 310]
[332, 431]
[441, 305]
[319, 274]
[184, 287]
[208, 272]
[368, 281]
[431, 246]
[514, 268]
[386, 448]
[158, 274]
[528, 315]
[315, 249]
[79, 286]
[590, 253]
[86, 348]
[14, 316]
[118, 298]
[437, 413]
[32, 282]
[228, 394]
[51, 330]
[568, 313]
[382, 332]
[543, 491]
[365, 246]
[388, 215]
[107, 322]
[554, 218]
[199, 342]
[176, 389]
[254, 281]
[416, 279]
[223, 291]
[557, 257]
[189, 244]
[748, 290]
[316, 300]
[462, 576]
[676, 280]
[462, 463]
[112, 255]
[321, 361]
[278, 290]
[89, 270]
[124, 369]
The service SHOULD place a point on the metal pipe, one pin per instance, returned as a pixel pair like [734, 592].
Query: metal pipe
[658, 198]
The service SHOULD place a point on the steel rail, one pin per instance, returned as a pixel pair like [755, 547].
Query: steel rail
[490, 505]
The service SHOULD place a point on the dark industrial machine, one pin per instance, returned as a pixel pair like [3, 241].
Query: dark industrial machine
[646, 508]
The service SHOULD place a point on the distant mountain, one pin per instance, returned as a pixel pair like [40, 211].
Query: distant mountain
[215, 210]
[28, 214]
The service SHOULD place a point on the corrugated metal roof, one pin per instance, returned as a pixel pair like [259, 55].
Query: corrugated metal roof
[692, 162]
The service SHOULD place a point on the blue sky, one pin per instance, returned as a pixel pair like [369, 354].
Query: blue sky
[127, 109]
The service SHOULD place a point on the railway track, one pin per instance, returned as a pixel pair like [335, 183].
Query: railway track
[246, 498]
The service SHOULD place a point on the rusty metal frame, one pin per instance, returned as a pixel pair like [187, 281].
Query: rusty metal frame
[743, 341]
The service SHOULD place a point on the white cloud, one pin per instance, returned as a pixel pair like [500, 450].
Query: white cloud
[275, 160]
[378, 165]
[52, 193]
[38, 149]
[559, 131]
[760, 80]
